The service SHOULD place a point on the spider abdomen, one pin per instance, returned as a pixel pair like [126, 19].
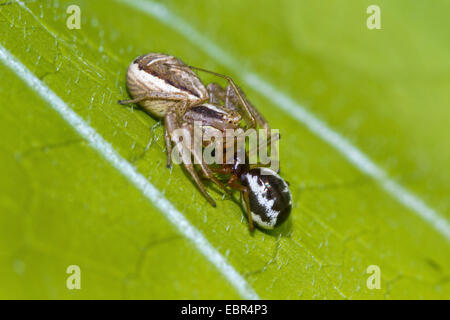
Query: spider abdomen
[269, 197]
[169, 78]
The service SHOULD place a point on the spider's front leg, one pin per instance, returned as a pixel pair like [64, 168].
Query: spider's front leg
[187, 151]
[216, 93]
[198, 157]
[250, 112]
[233, 101]
[170, 125]
[150, 95]
[174, 131]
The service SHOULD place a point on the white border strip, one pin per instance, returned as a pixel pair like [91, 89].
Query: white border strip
[130, 172]
[300, 113]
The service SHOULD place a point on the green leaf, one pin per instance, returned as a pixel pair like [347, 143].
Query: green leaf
[386, 91]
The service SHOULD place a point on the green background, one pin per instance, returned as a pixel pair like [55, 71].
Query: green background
[387, 91]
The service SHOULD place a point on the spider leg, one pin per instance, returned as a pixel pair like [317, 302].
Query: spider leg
[242, 100]
[168, 147]
[232, 101]
[200, 185]
[244, 193]
[172, 126]
[198, 158]
[152, 95]
[249, 212]
[170, 119]
[271, 138]
[222, 170]
[198, 182]
[216, 93]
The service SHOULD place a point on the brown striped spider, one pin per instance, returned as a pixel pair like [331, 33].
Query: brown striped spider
[169, 89]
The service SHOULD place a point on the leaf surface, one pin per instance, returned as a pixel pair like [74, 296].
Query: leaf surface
[385, 90]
